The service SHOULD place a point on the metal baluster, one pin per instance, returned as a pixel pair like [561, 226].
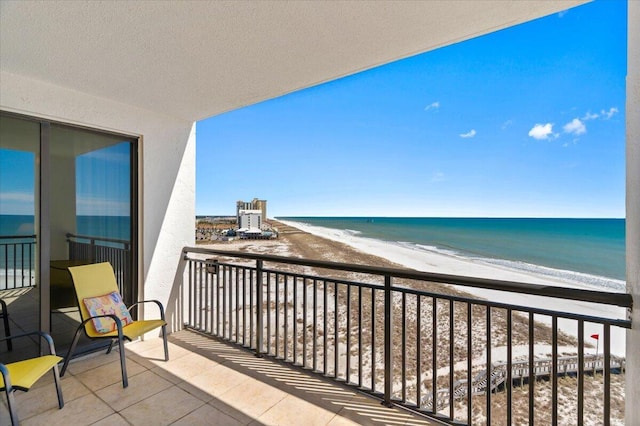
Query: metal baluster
[388, 343]
[418, 352]
[404, 347]
[554, 370]
[489, 366]
[259, 316]
[531, 371]
[335, 330]
[373, 340]
[360, 317]
[348, 373]
[451, 359]
[607, 374]
[509, 365]
[324, 327]
[580, 372]
[434, 354]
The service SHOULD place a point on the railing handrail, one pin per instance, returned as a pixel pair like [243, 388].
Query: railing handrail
[9, 237]
[623, 323]
[593, 296]
[95, 238]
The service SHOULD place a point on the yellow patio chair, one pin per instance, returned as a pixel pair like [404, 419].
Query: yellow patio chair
[21, 375]
[104, 315]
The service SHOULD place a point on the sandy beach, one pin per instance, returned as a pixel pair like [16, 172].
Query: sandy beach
[311, 242]
[299, 240]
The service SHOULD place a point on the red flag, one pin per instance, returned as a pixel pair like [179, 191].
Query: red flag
[595, 336]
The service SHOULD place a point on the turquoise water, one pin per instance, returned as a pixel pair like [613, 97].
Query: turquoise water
[586, 246]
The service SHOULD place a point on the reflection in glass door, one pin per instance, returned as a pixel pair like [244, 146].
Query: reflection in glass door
[90, 214]
[67, 198]
[19, 233]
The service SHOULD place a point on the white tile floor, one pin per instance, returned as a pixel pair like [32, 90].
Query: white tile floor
[206, 382]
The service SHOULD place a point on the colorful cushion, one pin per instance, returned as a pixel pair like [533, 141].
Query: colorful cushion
[104, 305]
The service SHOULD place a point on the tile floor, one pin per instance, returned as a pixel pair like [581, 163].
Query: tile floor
[206, 382]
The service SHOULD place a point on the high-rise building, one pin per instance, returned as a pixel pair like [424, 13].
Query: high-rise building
[254, 204]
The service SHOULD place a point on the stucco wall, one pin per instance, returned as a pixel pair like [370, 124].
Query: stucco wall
[632, 391]
[167, 166]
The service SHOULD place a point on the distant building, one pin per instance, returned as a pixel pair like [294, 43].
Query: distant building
[249, 220]
[254, 204]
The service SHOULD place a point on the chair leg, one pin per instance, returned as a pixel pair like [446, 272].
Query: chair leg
[11, 402]
[166, 346]
[74, 342]
[56, 378]
[123, 365]
[5, 318]
[110, 347]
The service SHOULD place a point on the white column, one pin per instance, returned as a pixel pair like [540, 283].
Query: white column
[632, 380]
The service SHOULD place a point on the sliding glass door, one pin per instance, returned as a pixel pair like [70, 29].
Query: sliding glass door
[67, 197]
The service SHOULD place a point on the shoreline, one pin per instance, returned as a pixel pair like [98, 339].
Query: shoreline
[312, 242]
[438, 262]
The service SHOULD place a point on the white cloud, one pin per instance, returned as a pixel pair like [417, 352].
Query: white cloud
[90, 206]
[575, 127]
[608, 114]
[471, 133]
[438, 177]
[590, 116]
[433, 105]
[17, 203]
[507, 124]
[21, 197]
[562, 13]
[541, 131]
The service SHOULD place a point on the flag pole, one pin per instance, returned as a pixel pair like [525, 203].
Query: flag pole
[595, 361]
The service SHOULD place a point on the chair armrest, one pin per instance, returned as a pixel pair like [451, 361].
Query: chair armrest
[112, 316]
[42, 334]
[157, 302]
[4, 371]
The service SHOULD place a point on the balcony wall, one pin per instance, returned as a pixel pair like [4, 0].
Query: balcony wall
[632, 390]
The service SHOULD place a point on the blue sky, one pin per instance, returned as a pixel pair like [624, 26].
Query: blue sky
[17, 180]
[524, 122]
[102, 182]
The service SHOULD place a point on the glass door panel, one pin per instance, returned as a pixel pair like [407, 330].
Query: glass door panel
[90, 214]
[19, 234]
[67, 197]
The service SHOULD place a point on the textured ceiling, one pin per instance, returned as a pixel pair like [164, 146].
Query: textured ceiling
[195, 59]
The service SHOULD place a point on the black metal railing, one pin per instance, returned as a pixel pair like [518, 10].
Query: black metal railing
[17, 261]
[402, 336]
[98, 249]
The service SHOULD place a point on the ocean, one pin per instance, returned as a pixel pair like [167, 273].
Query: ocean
[588, 250]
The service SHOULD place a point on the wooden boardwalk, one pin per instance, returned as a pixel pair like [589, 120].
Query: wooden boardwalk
[542, 368]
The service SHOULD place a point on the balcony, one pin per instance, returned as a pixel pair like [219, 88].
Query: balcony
[281, 340]
[205, 382]
[409, 340]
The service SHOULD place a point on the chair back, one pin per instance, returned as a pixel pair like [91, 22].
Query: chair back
[96, 279]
